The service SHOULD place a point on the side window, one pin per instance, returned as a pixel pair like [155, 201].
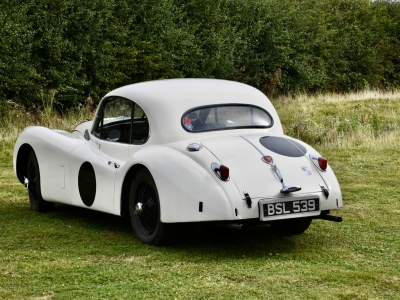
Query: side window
[113, 120]
[140, 132]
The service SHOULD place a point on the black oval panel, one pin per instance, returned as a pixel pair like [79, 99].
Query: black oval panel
[282, 146]
[87, 183]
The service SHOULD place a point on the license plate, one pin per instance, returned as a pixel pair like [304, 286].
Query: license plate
[274, 209]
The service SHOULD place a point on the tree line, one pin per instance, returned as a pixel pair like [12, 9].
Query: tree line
[67, 50]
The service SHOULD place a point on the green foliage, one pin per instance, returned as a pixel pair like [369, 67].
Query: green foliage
[63, 51]
[17, 74]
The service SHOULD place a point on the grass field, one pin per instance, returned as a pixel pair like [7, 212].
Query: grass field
[73, 253]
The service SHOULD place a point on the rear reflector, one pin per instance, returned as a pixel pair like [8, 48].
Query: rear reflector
[224, 171]
[268, 159]
[323, 163]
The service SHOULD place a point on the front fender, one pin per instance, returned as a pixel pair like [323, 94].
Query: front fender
[83, 126]
[52, 149]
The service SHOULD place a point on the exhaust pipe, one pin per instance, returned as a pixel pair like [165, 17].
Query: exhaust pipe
[330, 218]
[236, 226]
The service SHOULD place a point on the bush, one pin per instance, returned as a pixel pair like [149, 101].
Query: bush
[61, 52]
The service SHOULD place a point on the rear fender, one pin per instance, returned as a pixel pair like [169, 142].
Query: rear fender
[334, 200]
[183, 182]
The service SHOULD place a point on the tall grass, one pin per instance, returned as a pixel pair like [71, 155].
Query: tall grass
[368, 119]
[14, 118]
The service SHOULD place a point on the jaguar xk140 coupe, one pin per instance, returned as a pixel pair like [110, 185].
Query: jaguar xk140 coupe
[178, 151]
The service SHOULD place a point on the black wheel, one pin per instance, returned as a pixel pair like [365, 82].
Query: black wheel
[294, 227]
[35, 194]
[144, 209]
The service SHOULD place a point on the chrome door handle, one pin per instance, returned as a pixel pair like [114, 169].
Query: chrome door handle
[114, 164]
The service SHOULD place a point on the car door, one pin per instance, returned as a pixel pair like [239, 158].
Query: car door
[96, 163]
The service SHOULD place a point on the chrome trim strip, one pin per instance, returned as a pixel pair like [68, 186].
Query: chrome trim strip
[262, 154]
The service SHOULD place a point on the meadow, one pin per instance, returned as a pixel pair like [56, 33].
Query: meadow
[72, 253]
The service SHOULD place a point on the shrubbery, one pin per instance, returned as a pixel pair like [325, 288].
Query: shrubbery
[65, 51]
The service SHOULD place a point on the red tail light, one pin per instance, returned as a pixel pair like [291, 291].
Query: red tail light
[221, 171]
[323, 163]
[319, 162]
[224, 171]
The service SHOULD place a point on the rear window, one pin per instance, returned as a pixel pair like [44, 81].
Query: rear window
[224, 117]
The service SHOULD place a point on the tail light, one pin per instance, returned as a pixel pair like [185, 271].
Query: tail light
[320, 162]
[323, 163]
[221, 171]
[224, 171]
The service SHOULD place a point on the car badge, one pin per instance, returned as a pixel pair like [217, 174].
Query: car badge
[306, 171]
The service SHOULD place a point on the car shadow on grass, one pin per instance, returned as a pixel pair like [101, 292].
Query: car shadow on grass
[203, 237]
[248, 242]
[90, 219]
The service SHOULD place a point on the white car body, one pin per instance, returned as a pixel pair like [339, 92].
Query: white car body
[188, 189]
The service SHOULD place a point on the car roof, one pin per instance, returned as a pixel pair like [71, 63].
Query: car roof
[190, 92]
[165, 101]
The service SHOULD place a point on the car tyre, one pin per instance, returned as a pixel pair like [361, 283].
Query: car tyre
[294, 227]
[34, 190]
[145, 212]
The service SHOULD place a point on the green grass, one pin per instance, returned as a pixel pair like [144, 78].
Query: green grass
[73, 253]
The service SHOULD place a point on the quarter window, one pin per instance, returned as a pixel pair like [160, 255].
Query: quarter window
[140, 132]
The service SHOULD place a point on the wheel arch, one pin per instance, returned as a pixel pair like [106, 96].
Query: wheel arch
[126, 185]
[22, 161]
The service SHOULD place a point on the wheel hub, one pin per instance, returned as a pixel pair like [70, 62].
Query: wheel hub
[26, 182]
[138, 208]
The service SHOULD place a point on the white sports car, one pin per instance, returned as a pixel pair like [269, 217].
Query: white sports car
[179, 151]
